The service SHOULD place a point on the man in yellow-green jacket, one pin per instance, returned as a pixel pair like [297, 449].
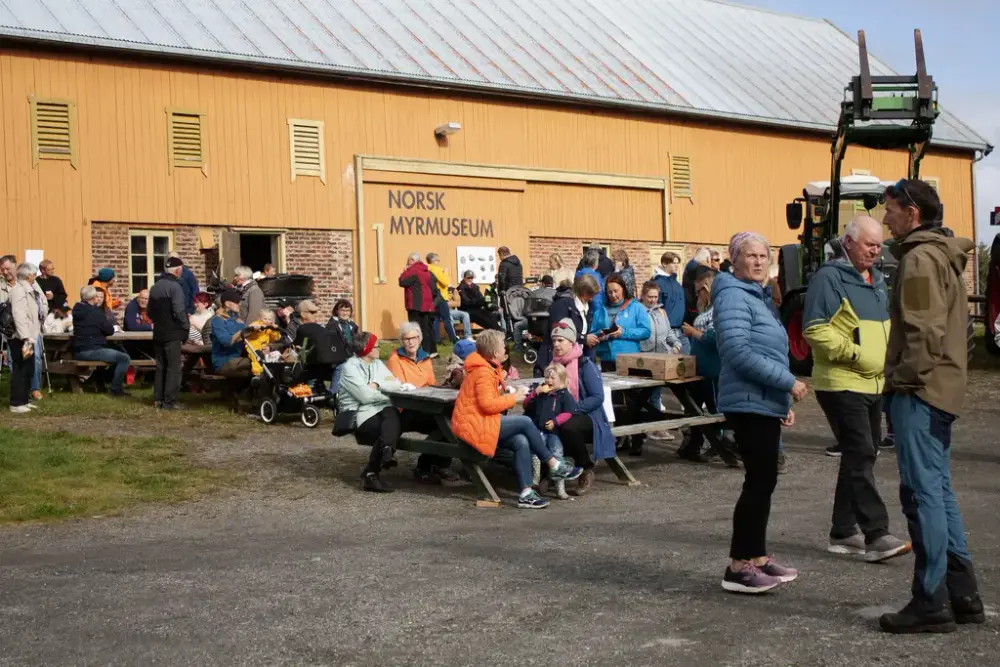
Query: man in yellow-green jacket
[846, 322]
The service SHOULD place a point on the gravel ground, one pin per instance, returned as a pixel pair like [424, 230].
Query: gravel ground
[298, 567]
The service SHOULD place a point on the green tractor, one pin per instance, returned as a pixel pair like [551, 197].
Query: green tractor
[879, 112]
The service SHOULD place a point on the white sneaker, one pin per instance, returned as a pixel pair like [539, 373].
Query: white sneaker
[31, 406]
[20, 409]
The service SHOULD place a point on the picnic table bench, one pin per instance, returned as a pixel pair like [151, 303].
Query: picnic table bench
[438, 402]
[59, 356]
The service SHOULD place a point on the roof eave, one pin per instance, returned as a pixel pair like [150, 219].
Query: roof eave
[212, 58]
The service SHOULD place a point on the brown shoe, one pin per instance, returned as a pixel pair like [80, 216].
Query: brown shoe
[37, 395]
[585, 481]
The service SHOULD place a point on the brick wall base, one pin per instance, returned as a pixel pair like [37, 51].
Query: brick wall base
[326, 255]
[639, 253]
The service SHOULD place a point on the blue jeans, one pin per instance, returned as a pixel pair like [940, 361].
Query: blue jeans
[335, 382]
[942, 564]
[519, 328]
[120, 360]
[36, 379]
[518, 434]
[463, 317]
[554, 444]
[443, 315]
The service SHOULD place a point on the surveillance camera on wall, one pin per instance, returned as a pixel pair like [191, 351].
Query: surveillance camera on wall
[445, 130]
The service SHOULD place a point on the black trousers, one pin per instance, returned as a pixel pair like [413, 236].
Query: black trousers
[421, 422]
[426, 321]
[381, 432]
[575, 434]
[167, 381]
[703, 394]
[757, 438]
[22, 372]
[856, 421]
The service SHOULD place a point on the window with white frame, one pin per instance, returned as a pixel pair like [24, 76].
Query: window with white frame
[148, 252]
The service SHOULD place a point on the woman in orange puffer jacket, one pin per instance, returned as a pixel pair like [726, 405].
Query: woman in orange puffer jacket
[478, 419]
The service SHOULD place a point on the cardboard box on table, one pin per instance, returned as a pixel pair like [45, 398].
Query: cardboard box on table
[658, 366]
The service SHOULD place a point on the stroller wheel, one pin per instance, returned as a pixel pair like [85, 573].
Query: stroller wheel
[530, 356]
[310, 416]
[268, 411]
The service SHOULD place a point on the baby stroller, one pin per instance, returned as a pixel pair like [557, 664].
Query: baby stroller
[536, 310]
[512, 303]
[281, 388]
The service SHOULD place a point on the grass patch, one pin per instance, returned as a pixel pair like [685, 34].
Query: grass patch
[58, 475]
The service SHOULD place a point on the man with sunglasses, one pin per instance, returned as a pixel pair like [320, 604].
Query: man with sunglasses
[925, 373]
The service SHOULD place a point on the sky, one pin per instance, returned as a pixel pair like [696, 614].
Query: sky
[962, 51]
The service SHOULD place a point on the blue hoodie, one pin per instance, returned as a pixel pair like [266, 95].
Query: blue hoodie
[633, 320]
[753, 347]
[599, 299]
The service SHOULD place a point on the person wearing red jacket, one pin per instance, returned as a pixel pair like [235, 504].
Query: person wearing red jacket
[418, 285]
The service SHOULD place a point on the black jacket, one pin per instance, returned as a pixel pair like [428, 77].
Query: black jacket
[91, 327]
[341, 335]
[471, 297]
[167, 310]
[319, 340]
[55, 285]
[544, 407]
[510, 273]
[564, 306]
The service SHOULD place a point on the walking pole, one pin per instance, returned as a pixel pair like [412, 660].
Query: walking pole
[45, 367]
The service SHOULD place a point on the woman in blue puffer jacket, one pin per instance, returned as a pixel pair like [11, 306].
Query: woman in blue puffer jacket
[756, 390]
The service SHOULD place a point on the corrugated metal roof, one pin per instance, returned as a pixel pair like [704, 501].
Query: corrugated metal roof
[703, 57]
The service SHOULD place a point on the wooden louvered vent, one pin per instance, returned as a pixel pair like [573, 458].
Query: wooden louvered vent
[308, 156]
[680, 177]
[187, 139]
[53, 131]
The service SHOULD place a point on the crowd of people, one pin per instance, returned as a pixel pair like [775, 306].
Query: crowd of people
[901, 352]
[187, 328]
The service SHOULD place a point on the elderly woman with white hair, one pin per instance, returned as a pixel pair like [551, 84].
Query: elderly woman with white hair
[756, 390]
[410, 363]
[251, 296]
[25, 308]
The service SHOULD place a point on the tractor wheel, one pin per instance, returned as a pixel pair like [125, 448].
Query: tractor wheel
[799, 354]
[310, 416]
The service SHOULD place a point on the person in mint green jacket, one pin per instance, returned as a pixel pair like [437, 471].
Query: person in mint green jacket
[846, 322]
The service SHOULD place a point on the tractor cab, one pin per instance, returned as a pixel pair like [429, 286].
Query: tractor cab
[882, 112]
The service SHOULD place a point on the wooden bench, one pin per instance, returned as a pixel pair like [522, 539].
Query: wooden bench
[73, 369]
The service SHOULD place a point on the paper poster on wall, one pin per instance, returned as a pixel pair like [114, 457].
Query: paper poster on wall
[481, 260]
[34, 256]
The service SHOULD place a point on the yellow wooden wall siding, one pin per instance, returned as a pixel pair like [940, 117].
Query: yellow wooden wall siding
[742, 177]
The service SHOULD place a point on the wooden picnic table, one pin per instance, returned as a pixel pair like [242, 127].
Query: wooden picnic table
[59, 356]
[438, 402]
[693, 415]
[117, 337]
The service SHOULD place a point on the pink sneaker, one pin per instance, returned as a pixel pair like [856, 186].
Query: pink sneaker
[783, 574]
[749, 580]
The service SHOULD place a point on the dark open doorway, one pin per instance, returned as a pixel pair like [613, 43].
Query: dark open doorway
[256, 250]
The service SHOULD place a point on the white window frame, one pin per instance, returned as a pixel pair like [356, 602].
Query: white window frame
[149, 235]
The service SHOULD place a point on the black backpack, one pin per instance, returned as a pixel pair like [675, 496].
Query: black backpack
[7, 326]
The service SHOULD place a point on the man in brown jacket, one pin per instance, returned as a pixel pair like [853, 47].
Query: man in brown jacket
[924, 385]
